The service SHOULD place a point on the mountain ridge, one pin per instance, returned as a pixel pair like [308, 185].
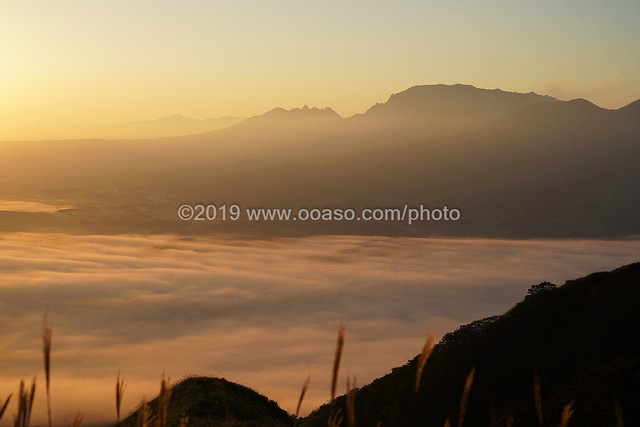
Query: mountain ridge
[576, 340]
[418, 100]
[459, 90]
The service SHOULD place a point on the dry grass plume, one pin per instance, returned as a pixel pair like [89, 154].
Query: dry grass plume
[351, 401]
[335, 419]
[465, 396]
[47, 335]
[619, 414]
[305, 386]
[567, 412]
[25, 405]
[3, 408]
[422, 360]
[537, 397]
[164, 398]
[120, 387]
[77, 421]
[336, 362]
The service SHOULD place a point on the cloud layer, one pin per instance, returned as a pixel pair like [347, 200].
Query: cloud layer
[263, 313]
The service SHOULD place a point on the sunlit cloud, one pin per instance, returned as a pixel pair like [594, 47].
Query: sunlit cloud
[29, 207]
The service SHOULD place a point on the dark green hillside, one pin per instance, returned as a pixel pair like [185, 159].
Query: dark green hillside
[581, 339]
[218, 402]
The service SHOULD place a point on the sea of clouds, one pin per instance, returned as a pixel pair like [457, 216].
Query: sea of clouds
[263, 313]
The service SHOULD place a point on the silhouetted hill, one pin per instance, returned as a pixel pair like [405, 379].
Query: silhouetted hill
[297, 113]
[218, 402]
[580, 340]
[632, 108]
[457, 100]
[174, 118]
[437, 109]
[279, 119]
[557, 116]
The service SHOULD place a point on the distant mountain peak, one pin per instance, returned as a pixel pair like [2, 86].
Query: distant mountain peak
[582, 103]
[633, 108]
[460, 101]
[575, 109]
[174, 118]
[461, 89]
[305, 111]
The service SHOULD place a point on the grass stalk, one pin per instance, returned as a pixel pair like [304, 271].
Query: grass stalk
[335, 419]
[162, 417]
[25, 405]
[465, 396]
[336, 362]
[144, 414]
[4, 406]
[305, 386]
[47, 335]
[120, 387]
[619, 414]
[351, 402]
[537, 397]
[422, 360]
[77, 421]
[567, 412]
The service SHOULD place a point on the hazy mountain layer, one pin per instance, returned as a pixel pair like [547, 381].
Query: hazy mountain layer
[514, 164]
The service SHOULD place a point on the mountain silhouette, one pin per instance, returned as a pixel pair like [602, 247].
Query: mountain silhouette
[435, 111]
[304, 112]
[578, 341]
[280, 121]
[558, 116]
[454, 101]
[631, 109]
[217, 402]
[173, 118]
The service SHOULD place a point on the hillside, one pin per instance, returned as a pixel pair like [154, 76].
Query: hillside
[579, 339]
[218, 402]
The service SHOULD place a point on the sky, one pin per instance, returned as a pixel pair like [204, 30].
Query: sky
[85, 62]
[264, 313]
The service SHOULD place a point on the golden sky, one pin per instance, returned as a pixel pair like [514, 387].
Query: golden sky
[85, 62]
